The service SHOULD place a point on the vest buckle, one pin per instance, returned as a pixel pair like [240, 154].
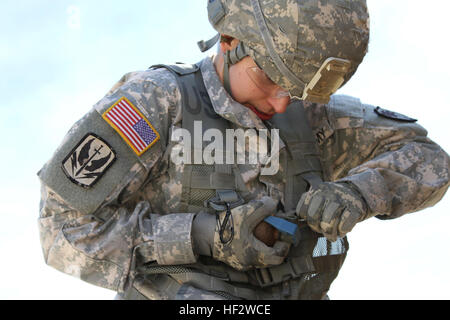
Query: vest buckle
[225, 199]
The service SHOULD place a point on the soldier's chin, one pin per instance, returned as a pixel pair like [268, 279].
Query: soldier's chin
[261, 115]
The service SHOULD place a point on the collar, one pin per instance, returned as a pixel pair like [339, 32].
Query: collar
[223, 104]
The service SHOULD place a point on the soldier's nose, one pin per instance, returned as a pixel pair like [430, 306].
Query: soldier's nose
[279, 105]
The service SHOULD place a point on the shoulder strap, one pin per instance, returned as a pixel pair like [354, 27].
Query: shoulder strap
[202, 182]
[304, 168]
[178, 68]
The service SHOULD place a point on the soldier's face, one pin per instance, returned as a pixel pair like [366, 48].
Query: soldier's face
[252, 88]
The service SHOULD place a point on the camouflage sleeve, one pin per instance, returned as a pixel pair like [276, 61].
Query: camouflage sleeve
[103, 237]
[389, 158]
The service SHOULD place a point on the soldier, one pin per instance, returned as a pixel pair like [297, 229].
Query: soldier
[119, 212]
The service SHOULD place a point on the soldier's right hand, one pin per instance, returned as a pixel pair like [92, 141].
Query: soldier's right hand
[244, 251]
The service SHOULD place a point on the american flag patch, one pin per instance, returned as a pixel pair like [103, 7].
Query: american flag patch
[132, 126]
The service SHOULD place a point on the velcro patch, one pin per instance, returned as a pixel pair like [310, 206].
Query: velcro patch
[132, 126]
[88, 161]
[393, 115]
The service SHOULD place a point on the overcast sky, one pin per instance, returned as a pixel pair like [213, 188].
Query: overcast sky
[58, 58]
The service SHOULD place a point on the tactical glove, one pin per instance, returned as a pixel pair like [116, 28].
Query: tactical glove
[244, 251]
[332, 209]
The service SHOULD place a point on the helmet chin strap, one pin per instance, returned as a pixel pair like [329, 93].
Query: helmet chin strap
[230, 58]
[226, 72]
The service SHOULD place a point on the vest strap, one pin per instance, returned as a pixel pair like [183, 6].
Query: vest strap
[293, 268]
[303, 167]
[224, 200]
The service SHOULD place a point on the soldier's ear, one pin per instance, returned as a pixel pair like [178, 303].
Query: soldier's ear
[227, 43]
[224, 47]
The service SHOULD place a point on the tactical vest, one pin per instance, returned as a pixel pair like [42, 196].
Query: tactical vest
[313, 264]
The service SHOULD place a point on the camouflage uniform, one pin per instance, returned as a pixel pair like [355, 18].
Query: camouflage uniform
[137, 221]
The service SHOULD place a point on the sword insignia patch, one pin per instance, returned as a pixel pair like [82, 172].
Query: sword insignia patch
[88, 161]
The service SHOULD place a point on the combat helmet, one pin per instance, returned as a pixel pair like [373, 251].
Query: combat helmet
[309, 47]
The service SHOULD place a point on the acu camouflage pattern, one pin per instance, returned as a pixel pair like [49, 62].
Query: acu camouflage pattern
[305, 34]
[332, 209]
[370, 151]
[394, 166]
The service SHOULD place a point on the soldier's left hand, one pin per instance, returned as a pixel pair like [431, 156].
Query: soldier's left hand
[332, 209]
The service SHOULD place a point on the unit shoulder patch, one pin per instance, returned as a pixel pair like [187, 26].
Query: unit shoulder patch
[131, 125]
[393, 115]
[88, 161]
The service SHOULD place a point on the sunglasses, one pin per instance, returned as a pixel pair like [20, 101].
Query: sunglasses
[265, 84]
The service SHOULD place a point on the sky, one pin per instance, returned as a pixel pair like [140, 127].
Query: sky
[58, 58]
